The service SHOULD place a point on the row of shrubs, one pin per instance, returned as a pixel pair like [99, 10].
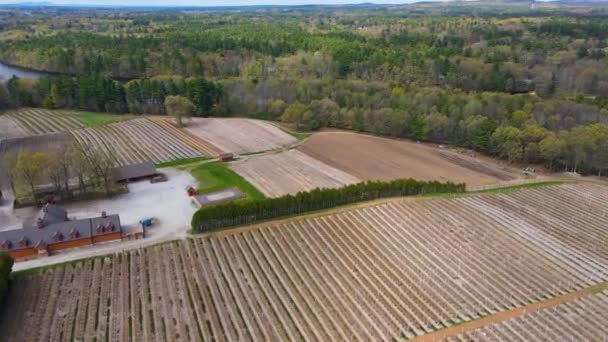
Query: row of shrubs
[246, 212]
[6, 265]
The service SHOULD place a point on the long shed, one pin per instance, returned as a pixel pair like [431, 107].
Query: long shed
[135, 171]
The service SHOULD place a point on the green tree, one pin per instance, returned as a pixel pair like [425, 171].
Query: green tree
[6, 265]
[507, 142]
[179, 107]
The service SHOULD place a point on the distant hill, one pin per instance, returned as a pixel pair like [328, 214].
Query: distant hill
[29, 4]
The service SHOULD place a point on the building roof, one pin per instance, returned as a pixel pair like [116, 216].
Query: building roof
[52, 213]
[135, 171]
[66, 229]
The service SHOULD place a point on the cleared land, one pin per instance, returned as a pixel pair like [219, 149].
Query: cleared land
[239, 135]
[290, 172]
[404, 268]
[43, 121]
[141, 140]
[10, 128]
[583, 319]
[373, 158]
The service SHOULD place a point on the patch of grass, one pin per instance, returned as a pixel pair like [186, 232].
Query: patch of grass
[218, 176]
[181, 162]
[517, 187]
[296, 134]
[100, 119]
[299, 135]
[498, 190]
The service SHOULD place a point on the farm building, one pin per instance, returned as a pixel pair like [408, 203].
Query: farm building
[226, 157]
[133, 172]
[53, 231]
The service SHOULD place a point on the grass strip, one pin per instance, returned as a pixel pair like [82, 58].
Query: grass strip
[218, 176]
[100, 119]
[181, 162]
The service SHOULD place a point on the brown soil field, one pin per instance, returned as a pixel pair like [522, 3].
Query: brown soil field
[44, 121]
[389, 271]
[374, 158]
[239, 135]
[579, 319]
[290, 172]
[10, 128]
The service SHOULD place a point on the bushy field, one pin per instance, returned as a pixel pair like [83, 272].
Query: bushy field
[400, 269]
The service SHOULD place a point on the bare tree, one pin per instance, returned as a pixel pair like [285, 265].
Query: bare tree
[80, 166]
[29, 169]
[10, 162]
[102, 165]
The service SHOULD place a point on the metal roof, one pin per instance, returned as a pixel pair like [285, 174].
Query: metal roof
[52, 213]
[135, 171]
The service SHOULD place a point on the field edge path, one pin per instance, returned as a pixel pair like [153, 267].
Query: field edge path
[511, 314]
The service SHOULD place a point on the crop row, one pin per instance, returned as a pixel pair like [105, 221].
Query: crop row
[396, 270]
[583, 319]
[42, 121]
[141, 140]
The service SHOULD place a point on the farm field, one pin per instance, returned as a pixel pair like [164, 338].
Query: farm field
[239, 136]
[377, 158]
[583, 319]
[401, 269]
[44, 121]
[10, 128]
[290, 172]
[141, 140]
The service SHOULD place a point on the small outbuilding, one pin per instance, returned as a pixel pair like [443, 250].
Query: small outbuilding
[133, 172]
[226, 157]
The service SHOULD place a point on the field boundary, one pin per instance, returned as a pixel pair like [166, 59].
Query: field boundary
[511, 314]
[222, 232]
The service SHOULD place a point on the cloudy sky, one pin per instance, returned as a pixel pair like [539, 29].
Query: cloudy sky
[202, 2]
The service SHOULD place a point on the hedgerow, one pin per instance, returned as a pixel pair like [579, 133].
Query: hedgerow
[6, 265]
[240, 213]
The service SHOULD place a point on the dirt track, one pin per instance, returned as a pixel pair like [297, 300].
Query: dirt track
[373, 158]
[512, 314]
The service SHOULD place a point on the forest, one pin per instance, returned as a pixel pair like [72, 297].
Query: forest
[525, 84]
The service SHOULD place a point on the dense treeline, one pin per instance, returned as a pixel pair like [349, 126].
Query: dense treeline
[549, 55]
[239, 213]
[6, 265]
[564, 135]
[99, 93]
[527, 85]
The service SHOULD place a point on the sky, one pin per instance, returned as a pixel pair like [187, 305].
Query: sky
[202, 2]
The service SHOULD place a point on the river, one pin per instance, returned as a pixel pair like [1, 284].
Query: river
[7, 71]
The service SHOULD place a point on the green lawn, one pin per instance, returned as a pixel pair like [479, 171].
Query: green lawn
[218, 176]
[99, 119]
[181, 162]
